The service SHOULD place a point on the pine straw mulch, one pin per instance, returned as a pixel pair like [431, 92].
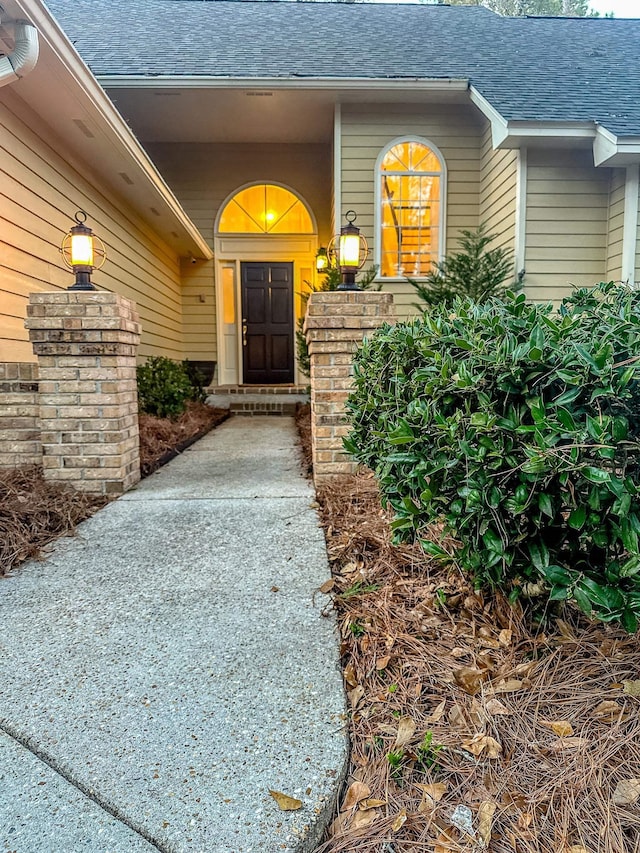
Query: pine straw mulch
[161, 439]
[34, 513]
[303, 425]
[535, 734]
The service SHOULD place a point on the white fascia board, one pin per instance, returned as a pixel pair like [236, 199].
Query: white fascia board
[106, 115]
[499, 124]
[203, 81]
[610, 150]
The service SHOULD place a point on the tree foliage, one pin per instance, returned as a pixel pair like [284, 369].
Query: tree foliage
[561, 8]
[475, 271]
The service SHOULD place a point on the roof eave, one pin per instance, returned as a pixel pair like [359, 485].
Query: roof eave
[203, 81]
[612, 150]
[94, 103]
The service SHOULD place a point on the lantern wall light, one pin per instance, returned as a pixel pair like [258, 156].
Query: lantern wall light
[347, 251]
[82, 252]
[322, 260]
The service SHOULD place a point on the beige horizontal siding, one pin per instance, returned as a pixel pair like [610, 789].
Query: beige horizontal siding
[203, 176]
[456, 130]
[39, 194]
[498, 179]
[567, 243]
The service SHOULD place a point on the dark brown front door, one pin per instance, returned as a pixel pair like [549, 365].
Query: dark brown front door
[267, 323]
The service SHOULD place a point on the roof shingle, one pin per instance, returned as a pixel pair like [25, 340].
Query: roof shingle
[531, 69]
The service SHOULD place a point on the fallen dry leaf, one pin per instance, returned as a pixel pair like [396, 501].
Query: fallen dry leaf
[486, 812]
[576, 848]
[607, 710]
[470, 678]
[400, 821]
[562, 728]
[504, 637]
[509, 685]
[285, 802]
[350, 675]
[371, 804]
[438, 712]
[568, 743]
[495, 707]
[631, 688]
[431, 794]
[481, 743]
[627, 792]
[406, 730]
[445, 844]
[357, 791]
[364, 818]
[327, 586]
[383, 662]
[355, 696]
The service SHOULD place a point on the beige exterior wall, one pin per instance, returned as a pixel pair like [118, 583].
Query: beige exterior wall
[498, 179]
[203, 176]
[40, 192]
[567, 223]
[616, 225]
[457, 132]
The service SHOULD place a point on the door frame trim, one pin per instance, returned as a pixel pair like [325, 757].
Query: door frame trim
[232, 250]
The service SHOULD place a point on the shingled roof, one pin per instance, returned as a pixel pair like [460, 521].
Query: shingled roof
[529, 69]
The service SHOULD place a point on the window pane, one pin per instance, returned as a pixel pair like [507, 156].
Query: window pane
[410, 217]
[265, 209]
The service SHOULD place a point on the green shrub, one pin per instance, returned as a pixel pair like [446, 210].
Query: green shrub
[518, 427]
[475, 271]
[164, 387]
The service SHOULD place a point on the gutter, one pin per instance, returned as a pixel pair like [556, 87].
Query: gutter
[23, 58]
[193, 81]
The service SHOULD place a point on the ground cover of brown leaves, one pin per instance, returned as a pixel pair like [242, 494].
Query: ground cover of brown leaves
[162, 438]
[471, 729]
[33, 513]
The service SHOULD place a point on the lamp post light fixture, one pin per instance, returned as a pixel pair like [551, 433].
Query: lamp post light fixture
[82, 252]
[322, 260]
[351, 253]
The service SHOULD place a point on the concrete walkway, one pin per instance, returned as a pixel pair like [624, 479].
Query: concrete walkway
[164, 669]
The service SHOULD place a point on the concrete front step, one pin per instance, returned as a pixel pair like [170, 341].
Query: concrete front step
[257, 403]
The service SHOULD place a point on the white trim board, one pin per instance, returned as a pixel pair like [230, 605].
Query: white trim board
[630, 228]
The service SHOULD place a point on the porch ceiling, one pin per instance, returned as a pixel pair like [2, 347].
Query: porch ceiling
[173, 113]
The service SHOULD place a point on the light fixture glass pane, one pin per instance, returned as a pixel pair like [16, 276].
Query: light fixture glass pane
[81, 250]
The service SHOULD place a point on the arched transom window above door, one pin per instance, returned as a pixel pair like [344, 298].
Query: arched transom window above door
[411, 174]
[265, 209]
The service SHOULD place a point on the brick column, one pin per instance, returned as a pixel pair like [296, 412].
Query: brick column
[19, 415]
[335, 324]
[86, 344]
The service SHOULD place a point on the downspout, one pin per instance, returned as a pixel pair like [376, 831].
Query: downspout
[24, 56]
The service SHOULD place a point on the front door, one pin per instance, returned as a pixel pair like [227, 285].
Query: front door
[267, 323]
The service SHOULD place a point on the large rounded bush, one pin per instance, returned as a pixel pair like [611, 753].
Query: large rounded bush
[518, 426]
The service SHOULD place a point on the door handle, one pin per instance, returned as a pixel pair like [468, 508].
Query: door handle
[244, 333]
